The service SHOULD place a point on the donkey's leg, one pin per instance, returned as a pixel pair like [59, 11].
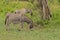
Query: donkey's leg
[28, 21]
[21, 26]
[30, 26]
[7, 26]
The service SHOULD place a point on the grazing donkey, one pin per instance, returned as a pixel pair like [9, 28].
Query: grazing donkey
[18, 17]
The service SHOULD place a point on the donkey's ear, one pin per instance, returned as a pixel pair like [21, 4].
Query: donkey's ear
[15, 12]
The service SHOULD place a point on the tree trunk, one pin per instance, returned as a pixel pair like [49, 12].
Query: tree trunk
[46, 10]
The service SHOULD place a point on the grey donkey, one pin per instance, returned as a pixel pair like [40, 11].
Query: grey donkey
[18, 17]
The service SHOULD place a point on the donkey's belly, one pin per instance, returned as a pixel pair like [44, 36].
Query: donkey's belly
[16, 21]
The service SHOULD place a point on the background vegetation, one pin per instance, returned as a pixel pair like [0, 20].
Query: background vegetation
[50, 31]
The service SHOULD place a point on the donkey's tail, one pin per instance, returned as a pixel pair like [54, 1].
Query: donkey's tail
[6, 18]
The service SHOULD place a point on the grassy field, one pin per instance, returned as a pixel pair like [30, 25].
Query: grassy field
[50, 31]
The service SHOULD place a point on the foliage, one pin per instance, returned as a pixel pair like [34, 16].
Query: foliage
[51, 31]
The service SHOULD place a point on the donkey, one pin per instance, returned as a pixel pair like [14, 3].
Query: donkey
[18, 17]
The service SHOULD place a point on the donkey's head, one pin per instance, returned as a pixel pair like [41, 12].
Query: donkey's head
[29, 11]
[24, 11]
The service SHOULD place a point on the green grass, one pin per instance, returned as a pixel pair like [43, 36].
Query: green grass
[50, 31]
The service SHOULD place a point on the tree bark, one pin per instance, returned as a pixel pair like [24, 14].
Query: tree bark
[46, 10]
